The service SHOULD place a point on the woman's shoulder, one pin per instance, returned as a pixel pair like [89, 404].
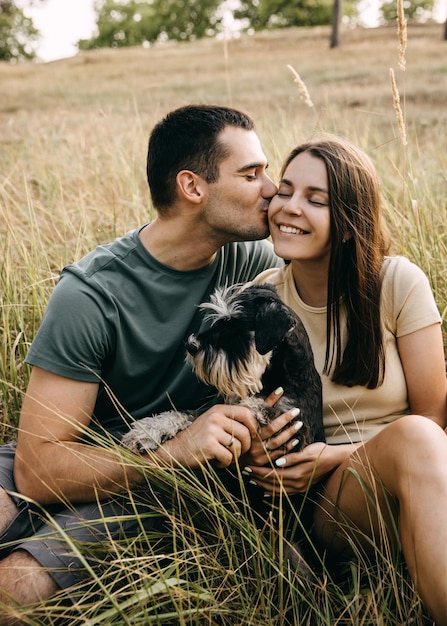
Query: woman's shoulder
[275, 276]
[407, 296]
[397, 263]
[399, 270]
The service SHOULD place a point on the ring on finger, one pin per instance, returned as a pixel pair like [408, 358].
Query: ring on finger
[231, 442]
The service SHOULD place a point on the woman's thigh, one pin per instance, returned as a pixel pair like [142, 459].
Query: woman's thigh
[354, 507]
[402, 468]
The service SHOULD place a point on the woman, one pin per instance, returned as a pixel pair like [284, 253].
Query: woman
[376, 335]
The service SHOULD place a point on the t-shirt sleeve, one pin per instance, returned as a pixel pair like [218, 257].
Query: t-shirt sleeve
[76, 332]
[254, 257]
[407, 290]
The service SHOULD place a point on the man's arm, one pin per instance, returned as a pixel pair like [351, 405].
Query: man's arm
[51, 463]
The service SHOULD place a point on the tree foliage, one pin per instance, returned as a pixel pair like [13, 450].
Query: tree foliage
[415, 10]
[133, 22]
[268, 14]
[17, 33]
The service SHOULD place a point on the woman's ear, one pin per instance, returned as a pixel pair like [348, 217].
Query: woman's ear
[190, 186]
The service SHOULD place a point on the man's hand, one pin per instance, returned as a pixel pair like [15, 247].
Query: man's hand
[224, 433]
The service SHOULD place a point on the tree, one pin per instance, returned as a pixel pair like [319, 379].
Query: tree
[17, 33]
[133, 22]
[336, 16]
[269, 14]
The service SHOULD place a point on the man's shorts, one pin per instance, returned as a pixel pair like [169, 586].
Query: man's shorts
[55, 535]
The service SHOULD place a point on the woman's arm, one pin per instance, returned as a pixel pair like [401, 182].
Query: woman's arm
[423, 362]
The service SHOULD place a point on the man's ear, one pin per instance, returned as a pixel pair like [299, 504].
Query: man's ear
[190, 186]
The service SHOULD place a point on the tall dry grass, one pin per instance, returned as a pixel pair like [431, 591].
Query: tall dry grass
[72, 163]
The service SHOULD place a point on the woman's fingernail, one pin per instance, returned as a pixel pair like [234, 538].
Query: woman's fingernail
[298, 425]
[267, 495]
[278, 391]
[252, 482]
[294, 443]
[295, 412]
[247, 470]
[280, 462]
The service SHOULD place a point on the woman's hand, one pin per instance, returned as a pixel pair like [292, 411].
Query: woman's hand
[270, 443]
[274, 440]
[295, 472]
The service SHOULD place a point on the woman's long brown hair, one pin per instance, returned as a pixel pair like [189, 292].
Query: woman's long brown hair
[359, 242]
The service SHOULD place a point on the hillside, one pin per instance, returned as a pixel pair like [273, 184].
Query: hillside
[249, 72]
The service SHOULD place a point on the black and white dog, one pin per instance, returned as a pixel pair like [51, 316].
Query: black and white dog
[252, 344]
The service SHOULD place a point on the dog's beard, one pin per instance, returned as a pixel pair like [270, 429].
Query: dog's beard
[240, 378]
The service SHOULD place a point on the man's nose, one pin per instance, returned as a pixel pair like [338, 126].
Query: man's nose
[269, 188]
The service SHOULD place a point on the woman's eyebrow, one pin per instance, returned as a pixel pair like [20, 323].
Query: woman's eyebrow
[288, 183]
[322, 189]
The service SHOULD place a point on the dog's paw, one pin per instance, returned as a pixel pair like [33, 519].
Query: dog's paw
[149, 432]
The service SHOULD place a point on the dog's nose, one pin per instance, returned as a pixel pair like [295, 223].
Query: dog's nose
[192, 345]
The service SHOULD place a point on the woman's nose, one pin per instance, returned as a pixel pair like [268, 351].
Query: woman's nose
[293, 205]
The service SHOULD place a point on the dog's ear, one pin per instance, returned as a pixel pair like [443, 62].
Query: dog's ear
[272, 322]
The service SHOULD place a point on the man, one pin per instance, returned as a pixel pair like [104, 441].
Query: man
[111, 346]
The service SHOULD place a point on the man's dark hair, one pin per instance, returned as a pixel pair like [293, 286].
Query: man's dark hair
[187, 139]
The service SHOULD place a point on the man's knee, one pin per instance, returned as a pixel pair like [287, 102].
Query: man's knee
[8, 510]
[23, 581]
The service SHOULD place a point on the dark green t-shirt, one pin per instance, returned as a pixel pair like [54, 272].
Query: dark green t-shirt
[119, 317]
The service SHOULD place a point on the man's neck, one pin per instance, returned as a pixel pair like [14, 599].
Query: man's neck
[174, 244]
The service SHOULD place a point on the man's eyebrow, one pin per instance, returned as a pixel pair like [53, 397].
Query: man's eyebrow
[253, 166]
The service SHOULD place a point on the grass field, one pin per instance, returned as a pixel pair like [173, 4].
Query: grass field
[72, 161]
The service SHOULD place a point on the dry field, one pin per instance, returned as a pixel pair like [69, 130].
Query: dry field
[74, 132]
[122, 92]
[73, 137]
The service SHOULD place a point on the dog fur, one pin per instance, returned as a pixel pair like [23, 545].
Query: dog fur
[252, 344]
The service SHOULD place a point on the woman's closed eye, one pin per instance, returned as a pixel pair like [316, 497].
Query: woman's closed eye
[319, 199]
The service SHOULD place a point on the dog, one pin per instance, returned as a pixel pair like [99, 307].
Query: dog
[251, 344]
